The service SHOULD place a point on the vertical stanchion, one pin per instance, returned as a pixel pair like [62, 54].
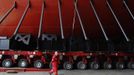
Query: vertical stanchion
[128, 9]
[8, 12]
[119, 24]
[22, 18]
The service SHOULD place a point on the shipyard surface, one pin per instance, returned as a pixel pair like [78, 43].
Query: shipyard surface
[77, 72]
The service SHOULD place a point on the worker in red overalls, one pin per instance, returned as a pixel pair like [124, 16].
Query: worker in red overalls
[54, 63]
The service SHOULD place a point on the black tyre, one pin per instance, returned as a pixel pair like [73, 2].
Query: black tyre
[94, 65]
[23, 63]
[131, 65]
[81, 65]
[38, 64]
[7, 63]
[107, 65]
[120, 65]
[68, 66]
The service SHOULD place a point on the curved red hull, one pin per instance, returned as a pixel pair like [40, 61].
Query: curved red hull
[51, 23]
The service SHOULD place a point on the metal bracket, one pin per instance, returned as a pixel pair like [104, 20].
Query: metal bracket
[48, 37]
[25, 39]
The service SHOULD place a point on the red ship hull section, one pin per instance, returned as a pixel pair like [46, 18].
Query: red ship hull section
[51, 24]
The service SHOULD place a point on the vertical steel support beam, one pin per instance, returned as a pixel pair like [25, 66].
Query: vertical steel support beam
[60, 17]
[128, 9]
[22, 18]
[8, 12]
[119, 24]
[81, 24]
[104, 33]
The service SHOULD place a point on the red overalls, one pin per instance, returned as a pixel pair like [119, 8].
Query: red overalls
[54, 63]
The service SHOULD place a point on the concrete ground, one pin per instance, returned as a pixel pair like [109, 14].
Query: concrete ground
[78, 72]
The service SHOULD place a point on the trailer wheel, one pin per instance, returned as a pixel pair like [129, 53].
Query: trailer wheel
[107, 65]
[120, 65]
[81, 65]
[38, 64]
[67, 65]
[23, 63]
[7, 63]
[94, 65]
[131, 65]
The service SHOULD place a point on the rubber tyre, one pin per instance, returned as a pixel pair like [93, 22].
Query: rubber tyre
[7, 63]
[94, 65]
[131, 65]
[38, 64]
[120, 65]
[107, 65]
[22, 63]
[81, 65]
[67, 66]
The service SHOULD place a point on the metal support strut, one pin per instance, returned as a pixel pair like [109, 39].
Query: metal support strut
[104, 33]
[76, 13]
[128, 9]
[119, 24]
[61, 25]
[74, 19]
[22, 18]
[73, 24]
[81, 24]
[41, 23]
[7, 13]
[60, 17]
[41, 20]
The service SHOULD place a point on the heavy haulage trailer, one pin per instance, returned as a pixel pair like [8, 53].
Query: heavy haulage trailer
[78, 51]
